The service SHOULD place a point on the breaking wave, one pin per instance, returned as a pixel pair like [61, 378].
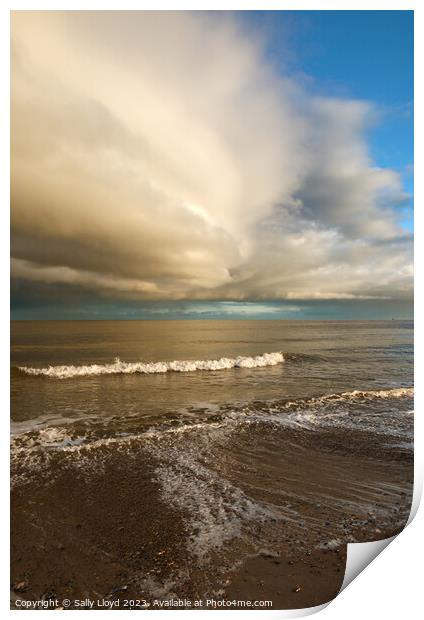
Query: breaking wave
[119, 367]
[355, 396]
[390, 393]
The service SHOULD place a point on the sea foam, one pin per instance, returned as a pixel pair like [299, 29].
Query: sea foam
[119, 367]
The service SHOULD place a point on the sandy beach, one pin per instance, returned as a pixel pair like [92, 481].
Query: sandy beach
[104, 531]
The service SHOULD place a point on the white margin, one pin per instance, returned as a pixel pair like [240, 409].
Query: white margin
[359, 556]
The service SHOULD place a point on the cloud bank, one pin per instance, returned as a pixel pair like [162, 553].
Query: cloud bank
[161, 156]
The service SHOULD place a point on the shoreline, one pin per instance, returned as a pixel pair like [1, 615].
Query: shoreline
[96, 522]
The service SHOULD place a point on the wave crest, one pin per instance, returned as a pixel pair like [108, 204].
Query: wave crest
[389, 393]
[125, 368]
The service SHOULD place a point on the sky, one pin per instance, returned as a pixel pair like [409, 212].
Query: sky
[212, 165]
[376, 65]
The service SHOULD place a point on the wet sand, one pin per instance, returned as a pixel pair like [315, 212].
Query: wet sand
[309, 565]
[95, 523]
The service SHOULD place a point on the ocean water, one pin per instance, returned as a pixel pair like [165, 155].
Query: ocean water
[157, 371]
[247, 425]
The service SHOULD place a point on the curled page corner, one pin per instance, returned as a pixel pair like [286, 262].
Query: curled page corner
[359, 555]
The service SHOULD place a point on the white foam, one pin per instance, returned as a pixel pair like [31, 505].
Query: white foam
[391, 393]
[216, 511]
[403, 392]
[118, 367]
[363, 410]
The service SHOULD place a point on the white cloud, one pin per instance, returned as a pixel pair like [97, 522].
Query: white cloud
[158, 155]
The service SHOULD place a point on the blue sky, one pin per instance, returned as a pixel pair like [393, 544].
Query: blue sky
[266, 159]
[355, 54]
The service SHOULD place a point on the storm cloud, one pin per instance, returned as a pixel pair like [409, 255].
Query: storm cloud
[161, 156]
